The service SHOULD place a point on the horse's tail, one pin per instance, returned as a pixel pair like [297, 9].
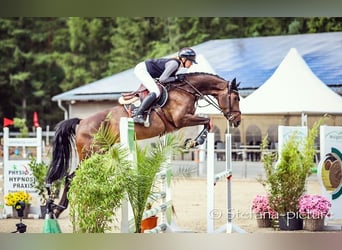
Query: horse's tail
[63, 144]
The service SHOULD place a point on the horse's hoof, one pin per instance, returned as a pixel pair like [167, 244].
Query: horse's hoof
[189, 143]
[57, 212]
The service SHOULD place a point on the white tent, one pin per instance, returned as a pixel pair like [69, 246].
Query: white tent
[293, 88]
[202, 65]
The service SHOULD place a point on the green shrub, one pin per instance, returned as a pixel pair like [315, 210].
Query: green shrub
[97, 190]
[286, 174]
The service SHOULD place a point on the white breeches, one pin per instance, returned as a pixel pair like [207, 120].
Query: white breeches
[141, 72]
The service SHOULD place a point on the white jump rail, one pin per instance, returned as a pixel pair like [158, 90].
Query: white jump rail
[212, 179]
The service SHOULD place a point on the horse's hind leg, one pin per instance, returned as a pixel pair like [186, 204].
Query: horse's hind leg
[64, 202]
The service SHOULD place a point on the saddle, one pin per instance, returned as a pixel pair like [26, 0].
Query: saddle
[131, 101]
[131, 97]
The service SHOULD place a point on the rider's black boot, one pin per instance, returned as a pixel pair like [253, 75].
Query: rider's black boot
[147, 102]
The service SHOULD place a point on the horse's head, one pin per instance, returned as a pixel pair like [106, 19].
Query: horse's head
[229, 101]
[226, 93]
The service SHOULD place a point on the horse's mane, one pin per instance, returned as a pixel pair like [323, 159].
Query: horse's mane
[202, 73]
[235, 87]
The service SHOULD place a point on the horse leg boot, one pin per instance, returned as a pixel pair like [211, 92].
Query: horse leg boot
[146, 103]
[201, 138]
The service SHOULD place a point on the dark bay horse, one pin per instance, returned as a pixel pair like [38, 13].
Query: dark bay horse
[178, 112]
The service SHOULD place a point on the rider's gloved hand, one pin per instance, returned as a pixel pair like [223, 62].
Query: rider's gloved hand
[180, 77]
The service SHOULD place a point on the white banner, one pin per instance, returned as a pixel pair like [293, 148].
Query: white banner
[330, 167]
[17, 173]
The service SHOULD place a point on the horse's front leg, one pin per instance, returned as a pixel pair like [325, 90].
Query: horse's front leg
[193, 120]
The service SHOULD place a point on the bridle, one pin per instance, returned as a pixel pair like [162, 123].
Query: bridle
[231, 114]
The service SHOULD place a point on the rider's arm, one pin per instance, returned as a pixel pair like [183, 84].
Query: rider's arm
[170, 67]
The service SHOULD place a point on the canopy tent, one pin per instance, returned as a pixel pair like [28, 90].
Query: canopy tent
[202, 65]
[293, 88]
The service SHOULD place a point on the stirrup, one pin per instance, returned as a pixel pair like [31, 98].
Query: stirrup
[139, 119]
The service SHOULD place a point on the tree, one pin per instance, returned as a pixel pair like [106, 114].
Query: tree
[29, 68]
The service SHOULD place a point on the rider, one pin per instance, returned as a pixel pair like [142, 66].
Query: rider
[163, 68]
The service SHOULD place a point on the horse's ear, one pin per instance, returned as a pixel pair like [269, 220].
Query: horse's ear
[233, 83]
[237, 85]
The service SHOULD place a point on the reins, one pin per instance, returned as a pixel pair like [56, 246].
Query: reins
[207, 98]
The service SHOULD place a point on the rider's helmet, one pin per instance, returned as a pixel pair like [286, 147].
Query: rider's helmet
[187, 53]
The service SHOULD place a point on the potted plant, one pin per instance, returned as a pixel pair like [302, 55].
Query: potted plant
[12, 199]
[286, 175]
[39, 170]
[149, 161]
[314, 208]
[263, 211]
[150, 222]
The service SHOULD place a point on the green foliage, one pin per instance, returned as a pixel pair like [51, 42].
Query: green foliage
[28, 67]
[97, 190]
[21, 125]
[102, 180]
[150, 160]
[39, 171]
[104, 138]
[99, 184]
[285, 181]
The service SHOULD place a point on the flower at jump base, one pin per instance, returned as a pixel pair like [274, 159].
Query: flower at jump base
[261, 206]
[12, 198]
[314, 206]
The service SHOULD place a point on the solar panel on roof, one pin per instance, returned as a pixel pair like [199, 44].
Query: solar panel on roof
[253, 60]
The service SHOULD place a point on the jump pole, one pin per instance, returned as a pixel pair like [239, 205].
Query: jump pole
[212, 178]
[126, 139]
